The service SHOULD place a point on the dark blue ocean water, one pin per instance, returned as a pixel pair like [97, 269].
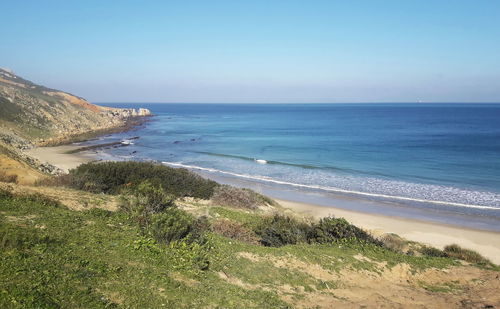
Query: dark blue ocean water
[443, 154]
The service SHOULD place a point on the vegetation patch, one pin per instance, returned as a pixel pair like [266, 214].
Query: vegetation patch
[470, 256]
[394, 242]
[280, 230]
[101, 259]
[446, 287]
[431, 251]
[114, 177]
[225, 195]
[234, 230]
[331, 229]
[457, 252]
[4, 177]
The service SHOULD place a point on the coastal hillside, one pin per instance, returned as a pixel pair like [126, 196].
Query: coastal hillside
[34, 115]
[143, 235]
[41, 115]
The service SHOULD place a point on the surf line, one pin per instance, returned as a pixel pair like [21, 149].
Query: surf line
[262, 178]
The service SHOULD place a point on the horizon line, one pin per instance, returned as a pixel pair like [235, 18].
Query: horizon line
[263, 103]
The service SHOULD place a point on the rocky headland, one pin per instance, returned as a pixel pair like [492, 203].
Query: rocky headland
[32, 115]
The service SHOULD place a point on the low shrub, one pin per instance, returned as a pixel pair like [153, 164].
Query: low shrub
[470, 256]
[225, 195]
[174, 224]
[4, 193]
[14, 238]
[42, 200]
[279, 230]
[158, 217]
[199, 228]
[113, 177]
[393, 242]
[432, 252]
[192, 256]
[331, 229]
[234, 230]
[100, 213]
[65, 180]
[146, 198]
[4, 177]
[171, 225]
[456, 252]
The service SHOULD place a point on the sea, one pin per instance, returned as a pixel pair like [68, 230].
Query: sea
[425, 161]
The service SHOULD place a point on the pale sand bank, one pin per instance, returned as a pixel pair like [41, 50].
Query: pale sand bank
[437, 235]
[59, 157]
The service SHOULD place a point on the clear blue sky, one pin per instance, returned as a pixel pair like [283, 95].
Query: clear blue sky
[257, 51]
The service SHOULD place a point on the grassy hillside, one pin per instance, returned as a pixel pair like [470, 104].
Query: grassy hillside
[144, 248]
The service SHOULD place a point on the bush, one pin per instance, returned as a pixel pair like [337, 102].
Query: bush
[100, 213]
[113, 177]
[331, 229]
[146, 198]
[171, 225]
[225, 195]
[21, 239]
[4, 177]
[65, 180]
[174, 224]
[393, 242]
[432, 252]
[4, 193]
[234, 230]
[470, 256]
[200, 226]
[279, 230]
[42, 200]
[192, 256]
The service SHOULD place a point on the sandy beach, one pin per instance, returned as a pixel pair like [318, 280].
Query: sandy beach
[59, 157]
[437, 235]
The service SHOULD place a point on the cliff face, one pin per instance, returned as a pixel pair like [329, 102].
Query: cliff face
[34, 114]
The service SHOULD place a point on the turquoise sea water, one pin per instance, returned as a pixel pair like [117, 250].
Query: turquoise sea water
[437, 157]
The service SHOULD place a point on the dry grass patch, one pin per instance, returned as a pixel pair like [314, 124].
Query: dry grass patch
[234, 230]
[225, 195]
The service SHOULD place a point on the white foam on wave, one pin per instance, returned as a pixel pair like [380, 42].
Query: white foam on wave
[260, 161]
[331, 189]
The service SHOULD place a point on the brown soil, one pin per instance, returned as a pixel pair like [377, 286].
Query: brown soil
[25, 174]
[74, 100]
[394, 287]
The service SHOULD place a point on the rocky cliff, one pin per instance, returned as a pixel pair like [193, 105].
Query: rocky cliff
[34, 115]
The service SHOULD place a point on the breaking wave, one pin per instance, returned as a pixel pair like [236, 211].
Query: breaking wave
[380, 188]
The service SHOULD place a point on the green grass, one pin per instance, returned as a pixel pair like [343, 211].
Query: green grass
[52, 257]
[248, 219]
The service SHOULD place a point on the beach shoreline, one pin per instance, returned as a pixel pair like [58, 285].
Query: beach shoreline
[63, 157]
[68, 153]
[437, 235]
